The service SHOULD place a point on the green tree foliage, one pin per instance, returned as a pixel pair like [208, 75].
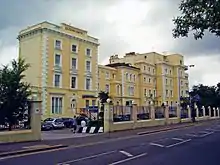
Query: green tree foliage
[14, 92]
[197, 16]
[209, 95]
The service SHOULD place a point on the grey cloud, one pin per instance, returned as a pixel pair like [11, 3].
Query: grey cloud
[209, 45]
[14, 13]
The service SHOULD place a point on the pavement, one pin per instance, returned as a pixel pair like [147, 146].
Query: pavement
[198, 144]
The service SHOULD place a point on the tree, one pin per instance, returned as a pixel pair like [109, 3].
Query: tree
[197, 17]
[103, 96]
[207, 94]
[14, 92]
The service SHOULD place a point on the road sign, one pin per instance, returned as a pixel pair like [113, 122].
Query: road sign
[94, 109]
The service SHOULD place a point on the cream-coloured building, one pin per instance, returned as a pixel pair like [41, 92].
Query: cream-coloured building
[63, 72]
[147, 77]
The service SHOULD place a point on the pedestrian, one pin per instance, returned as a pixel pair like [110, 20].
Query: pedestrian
[74, 124]
[83, 123]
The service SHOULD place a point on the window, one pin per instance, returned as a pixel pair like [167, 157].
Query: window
[74, 63]
[88, 52]
[181, 82]
[126, 75]
[74, 48]
[88, 82]
[181, 93]
[58, 44]
[131, 91]
[88, 66]
[167, 93]
[57, 59]
[98, 86]
[73, 82]
[153, 71]
[170, 72]
[166, 71]
[57, 78]
[144, 79]
[134, 78]
[144, 67]
[166, 81]
[149, 69]
[171, 82]
[107, 88]
[130, 77]
[93, 102]
[57, 105]
[149, 80]
[171, 93]
[149, 93]
[145, 92]
[118, 90]
[107, 76]
[155, 93]
[87, 103]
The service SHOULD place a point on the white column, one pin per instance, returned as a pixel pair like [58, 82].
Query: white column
[189, 112]
[203, 111]
[197, 110]
[210, 110]
[214, 111]
[218, 112]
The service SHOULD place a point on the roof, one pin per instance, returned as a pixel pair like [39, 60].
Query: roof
[115, 65]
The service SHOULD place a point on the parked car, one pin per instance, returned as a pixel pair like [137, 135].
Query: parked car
[68, 122]
[57, 123]
[46, 126]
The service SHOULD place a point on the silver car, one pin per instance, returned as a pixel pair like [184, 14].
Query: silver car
[57, 123]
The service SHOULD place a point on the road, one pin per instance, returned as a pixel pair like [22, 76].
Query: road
[193, 145]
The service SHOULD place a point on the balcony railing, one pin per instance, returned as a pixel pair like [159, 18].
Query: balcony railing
[73, 71]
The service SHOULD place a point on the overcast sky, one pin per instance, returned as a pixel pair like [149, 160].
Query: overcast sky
[121, 25]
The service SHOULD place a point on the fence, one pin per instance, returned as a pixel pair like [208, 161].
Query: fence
[184, 113]
[122, 113]
[159, 112]
[143, 113]
[172, 112]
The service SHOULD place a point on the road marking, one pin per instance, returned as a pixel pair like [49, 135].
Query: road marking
[211, 129]
[126, 153]
[86, 158]
[158, 145]
[128, 159]
[193, 135]
[178, 139]
[176, 144]
[206, 134]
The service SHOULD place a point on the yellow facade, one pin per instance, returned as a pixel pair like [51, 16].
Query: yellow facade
[123, 81]
[161, 78]
[64, 67]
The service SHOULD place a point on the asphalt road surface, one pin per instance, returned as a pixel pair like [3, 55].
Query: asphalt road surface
[198, 145]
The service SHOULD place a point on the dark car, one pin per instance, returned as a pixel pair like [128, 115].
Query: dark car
[46, 126]
[68, 122]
